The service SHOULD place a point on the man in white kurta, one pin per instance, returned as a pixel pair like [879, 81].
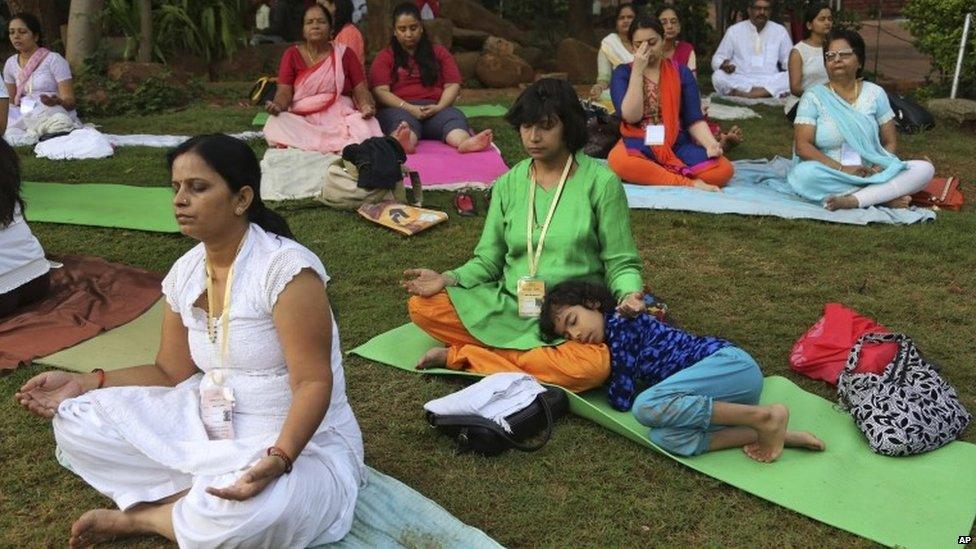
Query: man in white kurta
[752, 59]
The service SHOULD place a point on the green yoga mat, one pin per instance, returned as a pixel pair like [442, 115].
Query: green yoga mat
[919, 501]
[471, 111]
[131, 344]
[101, 205]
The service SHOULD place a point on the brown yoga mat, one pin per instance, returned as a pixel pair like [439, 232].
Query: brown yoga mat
[88, 296]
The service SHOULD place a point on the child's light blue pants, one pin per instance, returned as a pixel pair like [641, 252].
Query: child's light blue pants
[680, 408]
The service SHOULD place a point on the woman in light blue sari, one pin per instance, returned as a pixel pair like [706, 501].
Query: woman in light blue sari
[845, 138]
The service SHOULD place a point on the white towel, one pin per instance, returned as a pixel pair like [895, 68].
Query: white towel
[494, 397]
[79, 144]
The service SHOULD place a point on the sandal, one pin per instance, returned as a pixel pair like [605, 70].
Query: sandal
[464, 203]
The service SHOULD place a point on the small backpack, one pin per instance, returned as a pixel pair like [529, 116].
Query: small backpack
[910, 117]
[907, 409]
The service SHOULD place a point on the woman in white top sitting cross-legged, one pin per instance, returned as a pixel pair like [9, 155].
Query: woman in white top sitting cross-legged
[24, 272]
[240, 433]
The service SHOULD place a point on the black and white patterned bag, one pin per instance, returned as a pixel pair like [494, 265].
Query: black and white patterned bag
[907, 409]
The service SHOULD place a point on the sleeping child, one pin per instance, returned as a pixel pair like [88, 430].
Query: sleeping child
[699, 393]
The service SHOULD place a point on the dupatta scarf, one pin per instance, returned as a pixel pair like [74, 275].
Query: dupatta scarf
[319, 86]
[22, 78]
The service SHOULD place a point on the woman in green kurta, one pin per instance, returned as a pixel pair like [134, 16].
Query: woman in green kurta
[589, 237]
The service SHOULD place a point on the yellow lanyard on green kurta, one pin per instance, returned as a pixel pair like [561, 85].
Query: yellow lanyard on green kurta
[536, 254]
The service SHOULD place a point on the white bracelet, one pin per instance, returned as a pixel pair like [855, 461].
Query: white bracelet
[402, 103]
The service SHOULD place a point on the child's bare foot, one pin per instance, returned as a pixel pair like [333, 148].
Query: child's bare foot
[475, 143]
[98, 525]
[845, 202]
[804, 439]
[434, 358]
[772, 434]
[900, 202]
[402, 134]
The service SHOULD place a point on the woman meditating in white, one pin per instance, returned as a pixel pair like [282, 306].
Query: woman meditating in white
[240, 435]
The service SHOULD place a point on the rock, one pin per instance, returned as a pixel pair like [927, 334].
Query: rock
[466, 62]
[961, 111]
[468, 39]
[503, 71]
[131, 74]
[440, 31]
[533, 56]
[469, 14]
[498, 46]
[578, 60]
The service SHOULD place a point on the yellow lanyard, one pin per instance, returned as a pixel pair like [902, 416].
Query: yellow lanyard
[225, 309]
[533, 258]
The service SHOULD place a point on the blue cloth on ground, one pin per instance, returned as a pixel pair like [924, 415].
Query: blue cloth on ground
[679, 409]
[759, 187]
[390, 514]
[644, 351]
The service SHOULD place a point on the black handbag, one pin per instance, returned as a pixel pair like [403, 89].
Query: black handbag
[264, 90]
[910, 117]
[602, 130]
[472, 433]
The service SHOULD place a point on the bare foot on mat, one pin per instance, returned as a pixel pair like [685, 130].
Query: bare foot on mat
[901, 202]
[804, 439]
[731, 138]
[772, 435]
[845, 202]
[475, 143]
[434, 358]
[402, 135]
[99, 525]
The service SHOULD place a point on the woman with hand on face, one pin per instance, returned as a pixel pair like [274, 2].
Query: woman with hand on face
[845, 138]
[555, 216]
[322, 103]
[806, 64]
[615, 49]
[417, 83]
[240, 433]
[37, 80]
[665, 139]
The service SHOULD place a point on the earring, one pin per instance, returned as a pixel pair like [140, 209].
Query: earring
[239, 211]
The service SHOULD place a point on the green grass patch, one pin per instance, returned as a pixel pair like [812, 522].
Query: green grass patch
[758, 281]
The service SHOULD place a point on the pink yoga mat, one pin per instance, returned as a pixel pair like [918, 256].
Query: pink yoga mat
[441, 167]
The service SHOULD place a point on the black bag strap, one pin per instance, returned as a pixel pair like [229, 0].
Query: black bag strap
[478, 421]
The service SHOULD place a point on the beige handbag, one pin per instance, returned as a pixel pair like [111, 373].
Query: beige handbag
[341, 191]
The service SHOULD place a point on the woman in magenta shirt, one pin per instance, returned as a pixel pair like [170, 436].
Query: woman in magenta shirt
[416, 82]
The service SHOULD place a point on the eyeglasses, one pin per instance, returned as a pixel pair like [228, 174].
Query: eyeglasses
[842, 54]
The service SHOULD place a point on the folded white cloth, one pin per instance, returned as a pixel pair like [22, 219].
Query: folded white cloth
[718, 111]
[80, 144]
[291, 174]
[165, 141]
[494, 397]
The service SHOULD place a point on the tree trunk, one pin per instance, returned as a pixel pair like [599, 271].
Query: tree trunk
[82, 32]
[580, 20]
[47, 13]
[145, 31]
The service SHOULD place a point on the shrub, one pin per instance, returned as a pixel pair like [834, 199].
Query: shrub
[98, 95]
[937, 28]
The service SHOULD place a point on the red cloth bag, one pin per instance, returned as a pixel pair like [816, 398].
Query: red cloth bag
[822, 352]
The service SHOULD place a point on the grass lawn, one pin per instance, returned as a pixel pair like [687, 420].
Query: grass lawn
[758, 281]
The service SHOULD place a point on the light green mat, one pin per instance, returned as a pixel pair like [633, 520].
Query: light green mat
[471, 111]
[474, 111]
[101, 205]
[919, 501]
[131, 344]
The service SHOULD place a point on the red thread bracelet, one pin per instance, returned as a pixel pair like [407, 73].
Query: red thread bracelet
[279, 453]
[101, 377]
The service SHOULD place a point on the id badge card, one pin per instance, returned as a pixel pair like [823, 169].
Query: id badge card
[27, 104]
[217, 412]
[531, 292]
[848, 156]
[654, 135]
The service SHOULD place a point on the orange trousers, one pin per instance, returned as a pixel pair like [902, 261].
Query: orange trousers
[634, 169]
[572, 365]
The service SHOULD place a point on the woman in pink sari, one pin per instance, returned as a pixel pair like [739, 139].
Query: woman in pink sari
[322, 103]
